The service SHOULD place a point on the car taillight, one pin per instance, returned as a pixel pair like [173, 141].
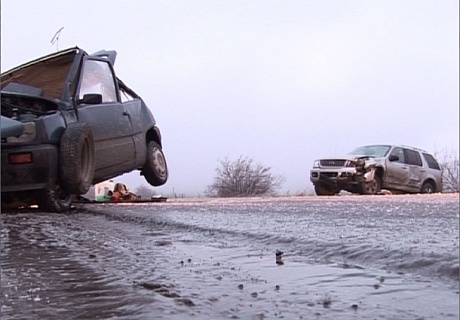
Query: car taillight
[20, 158]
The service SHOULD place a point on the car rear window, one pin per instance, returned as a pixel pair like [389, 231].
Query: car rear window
[432, 163]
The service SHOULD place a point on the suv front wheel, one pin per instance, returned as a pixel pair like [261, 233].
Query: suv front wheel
[371, 187]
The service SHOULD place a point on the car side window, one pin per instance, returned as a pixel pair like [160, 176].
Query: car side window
[412, 157]
[97, 78]
[431, 161]
[125, 95]
[399, 153]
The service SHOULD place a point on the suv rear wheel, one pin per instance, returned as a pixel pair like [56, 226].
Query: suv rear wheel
[427, 187]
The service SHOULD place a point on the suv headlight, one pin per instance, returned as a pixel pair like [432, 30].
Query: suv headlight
[316, 164]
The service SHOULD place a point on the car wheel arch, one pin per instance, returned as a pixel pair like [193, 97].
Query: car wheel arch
[381, 173]
[153, 134]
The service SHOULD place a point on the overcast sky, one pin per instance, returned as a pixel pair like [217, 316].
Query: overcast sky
[281, 82]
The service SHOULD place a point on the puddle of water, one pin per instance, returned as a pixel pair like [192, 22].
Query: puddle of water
[343, 259]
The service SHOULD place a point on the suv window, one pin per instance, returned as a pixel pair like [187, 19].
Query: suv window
[432, 163]
[412, 157]
[399, 153]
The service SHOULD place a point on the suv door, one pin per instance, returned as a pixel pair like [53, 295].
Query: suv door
[416, 171]
[397, 170]
[102, 110]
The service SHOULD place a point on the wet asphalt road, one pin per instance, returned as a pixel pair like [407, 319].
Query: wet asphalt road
[348, 257]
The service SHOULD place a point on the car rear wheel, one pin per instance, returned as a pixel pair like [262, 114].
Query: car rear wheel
[155, 169]
[76, 158]
[54, 199]
[371, 187]
[427, 187]
[323, 190]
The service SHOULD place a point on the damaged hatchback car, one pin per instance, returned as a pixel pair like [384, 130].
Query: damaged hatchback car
[369, 169]
[68, 122]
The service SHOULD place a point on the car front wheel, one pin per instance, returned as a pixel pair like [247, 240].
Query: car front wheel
[54, 199]
[155, 169]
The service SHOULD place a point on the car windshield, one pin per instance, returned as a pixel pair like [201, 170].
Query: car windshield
[375, 151]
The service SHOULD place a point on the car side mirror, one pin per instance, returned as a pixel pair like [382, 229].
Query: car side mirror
[91, 98]
[393, 158]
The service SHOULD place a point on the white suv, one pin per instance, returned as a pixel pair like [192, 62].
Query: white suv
[368, 169]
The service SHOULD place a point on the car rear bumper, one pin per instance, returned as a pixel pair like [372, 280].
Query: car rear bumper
[38, 174]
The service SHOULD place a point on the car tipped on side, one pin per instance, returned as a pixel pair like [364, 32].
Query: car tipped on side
[68, 122]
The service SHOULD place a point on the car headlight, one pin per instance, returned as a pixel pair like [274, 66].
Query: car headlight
[316, 164]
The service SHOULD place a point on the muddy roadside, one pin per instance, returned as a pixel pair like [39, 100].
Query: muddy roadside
[216, 259]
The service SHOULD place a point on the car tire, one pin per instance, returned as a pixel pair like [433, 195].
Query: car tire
[155, 169]
[427, 187]
[76, 158]
[322, 190]
[372, 187]
[55, 200]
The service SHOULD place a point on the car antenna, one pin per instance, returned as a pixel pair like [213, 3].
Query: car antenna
[55, 38]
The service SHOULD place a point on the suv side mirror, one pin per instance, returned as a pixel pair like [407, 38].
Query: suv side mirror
[91, 98]
[393, 158]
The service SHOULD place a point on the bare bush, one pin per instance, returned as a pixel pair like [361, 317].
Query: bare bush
[450, 167]
[243, 178]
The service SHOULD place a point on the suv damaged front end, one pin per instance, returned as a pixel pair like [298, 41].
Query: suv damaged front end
[353, 174]
[369, 169]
